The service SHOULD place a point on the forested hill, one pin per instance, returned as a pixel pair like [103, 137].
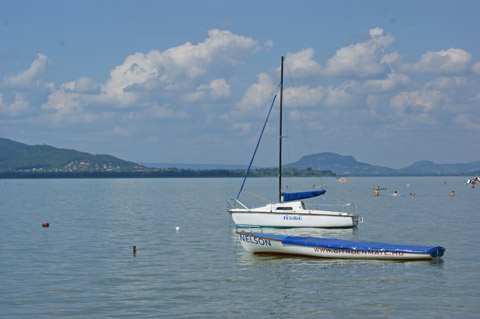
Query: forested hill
[15, 156]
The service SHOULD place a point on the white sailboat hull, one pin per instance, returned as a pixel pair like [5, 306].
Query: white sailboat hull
[291, 215]
[284, 220]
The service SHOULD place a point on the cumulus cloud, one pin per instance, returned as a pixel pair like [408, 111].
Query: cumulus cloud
[304, 96]
[31, 76]
[476, 68]
[163, 112]
[392, 81]
[361, 60]
[82, 85]
[142, 78]
[331, 96]
[467, 122]
[445, 62]
[341, 96]
[420, 101]
[17, 107]
[301, 64]
[215, 90]
[444, 82]
[177, 67]
[67, 107]
[258, 95]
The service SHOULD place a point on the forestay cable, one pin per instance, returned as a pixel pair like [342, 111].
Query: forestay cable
[258, 143]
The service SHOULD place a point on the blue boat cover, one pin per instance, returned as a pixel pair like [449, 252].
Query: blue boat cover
[288, 197]
[434, 251]
[363, 245]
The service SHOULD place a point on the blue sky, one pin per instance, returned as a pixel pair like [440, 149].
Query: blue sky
[388, 82]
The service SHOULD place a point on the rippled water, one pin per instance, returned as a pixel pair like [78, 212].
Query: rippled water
[83, 264]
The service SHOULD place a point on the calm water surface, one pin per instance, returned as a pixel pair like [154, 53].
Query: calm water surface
[82, 265]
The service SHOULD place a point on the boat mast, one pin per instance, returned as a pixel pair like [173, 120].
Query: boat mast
[280, 142]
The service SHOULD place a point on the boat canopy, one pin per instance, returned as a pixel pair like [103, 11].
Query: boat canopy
[434, 251]
[288, 197]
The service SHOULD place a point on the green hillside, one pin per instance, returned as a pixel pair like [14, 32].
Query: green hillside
[16, 156]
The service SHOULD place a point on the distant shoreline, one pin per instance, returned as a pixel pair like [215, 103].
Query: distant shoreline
[194, 173]
[167, 173]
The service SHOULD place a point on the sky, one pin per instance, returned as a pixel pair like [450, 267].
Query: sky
[387, 82]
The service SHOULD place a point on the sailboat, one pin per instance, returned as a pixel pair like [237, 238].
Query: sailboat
[290, 211]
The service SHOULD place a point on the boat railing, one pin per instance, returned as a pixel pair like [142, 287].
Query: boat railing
[232, 203]
[350, 208]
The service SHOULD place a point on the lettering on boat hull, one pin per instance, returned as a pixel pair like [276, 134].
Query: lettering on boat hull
[255, 240]
[358, 252]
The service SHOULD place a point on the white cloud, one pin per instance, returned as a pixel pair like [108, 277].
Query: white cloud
[117, 130]
[216, 90]
[136, 70]
[391, 59]
[423, 101]
[304, 95]
[82, 85]
[142, 78]
[163, 112]
[67, 107]
[443, 82]
[467, 122]
[31, 76]
[341, 96]
[445, 62]
[476, 68]
[301, 64]
[258, 95]
[374, 101]
[177, 67]
[360, 60]
[18, 107]
[244, 128]
[392, 81]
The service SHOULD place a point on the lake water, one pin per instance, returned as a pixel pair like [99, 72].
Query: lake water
[82, 266]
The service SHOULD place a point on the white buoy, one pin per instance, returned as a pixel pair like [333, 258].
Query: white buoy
[177, 228]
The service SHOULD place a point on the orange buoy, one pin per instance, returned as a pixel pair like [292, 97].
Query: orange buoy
[45, 224]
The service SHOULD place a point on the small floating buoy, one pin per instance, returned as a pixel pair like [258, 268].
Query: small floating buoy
[177, 228]
[45, 225]
[134, 251]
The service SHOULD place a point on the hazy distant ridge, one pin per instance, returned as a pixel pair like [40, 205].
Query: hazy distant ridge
[348, 165]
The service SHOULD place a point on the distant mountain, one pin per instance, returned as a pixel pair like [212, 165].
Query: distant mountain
[428, 167]
[15, 156]
[347, 165]
[341, 165]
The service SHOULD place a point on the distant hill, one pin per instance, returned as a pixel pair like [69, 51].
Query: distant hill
[15, 156]
[347, 165]
[428, 167]
[341, 165]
